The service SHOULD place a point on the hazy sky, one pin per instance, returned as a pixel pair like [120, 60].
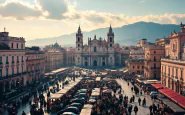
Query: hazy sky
[33, 19]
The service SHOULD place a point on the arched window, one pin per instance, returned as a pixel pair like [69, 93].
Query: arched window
[154, 58]
[110, 39]
[154, 65]
[78, 39]
[94, 49]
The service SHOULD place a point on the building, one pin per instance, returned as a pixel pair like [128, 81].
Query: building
[12, 62]
[98, 52]
[35, 61]
[162, 41]
[137, 53]
[173, 64]
[142, 43]
[135, 66]
[152, 64]
[54, 59]
[70, 56]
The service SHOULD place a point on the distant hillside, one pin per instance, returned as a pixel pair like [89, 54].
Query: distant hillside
[125, 35]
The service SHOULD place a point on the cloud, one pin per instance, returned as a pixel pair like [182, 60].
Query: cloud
[18, 10]
[55, 9]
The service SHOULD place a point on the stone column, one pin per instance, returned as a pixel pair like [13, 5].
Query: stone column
[9, 85]
[101, 61]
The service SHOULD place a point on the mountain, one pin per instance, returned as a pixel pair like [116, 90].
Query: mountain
[125, 35]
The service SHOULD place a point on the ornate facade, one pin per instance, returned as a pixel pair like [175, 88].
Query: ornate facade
[173, 64]
[35, 62]
[97, 53]
[12, 62]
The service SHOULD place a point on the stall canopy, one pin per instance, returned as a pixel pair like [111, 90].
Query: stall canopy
[164, 90]
[86, 110]
[172, 95]
[182, 103]
[158, 86]
[98, 78]
[176, 108]
[178, 98]
[175, 97]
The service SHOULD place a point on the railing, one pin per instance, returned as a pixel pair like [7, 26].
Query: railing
[11, 76]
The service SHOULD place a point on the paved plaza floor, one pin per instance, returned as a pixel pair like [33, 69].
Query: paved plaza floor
[127, 91]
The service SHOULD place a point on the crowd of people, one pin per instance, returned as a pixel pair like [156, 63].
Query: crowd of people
[107, 103]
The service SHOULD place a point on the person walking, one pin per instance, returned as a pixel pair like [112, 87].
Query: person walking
[150, 109]
[133, 98]
[23, 113]
[135, 109]
[139, 101]
[144, 102]
[130, 109]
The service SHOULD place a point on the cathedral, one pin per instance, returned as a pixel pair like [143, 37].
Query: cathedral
[98, 52]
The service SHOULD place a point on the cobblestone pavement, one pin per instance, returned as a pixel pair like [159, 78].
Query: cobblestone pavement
[127, 91]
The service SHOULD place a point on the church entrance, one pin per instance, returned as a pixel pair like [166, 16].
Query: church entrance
[86, 64]
[95, 63]
[103, 64]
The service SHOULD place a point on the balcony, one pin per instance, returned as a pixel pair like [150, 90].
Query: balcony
[10, 76]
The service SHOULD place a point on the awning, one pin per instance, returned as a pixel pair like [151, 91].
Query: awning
[172, 95]
[164, 90]
[176, 108]
[158, 86]
[182, 103]
[168, 93]
[178, 98]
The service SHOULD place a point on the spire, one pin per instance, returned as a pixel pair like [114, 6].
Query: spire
[95, 37]
[4, 29]
[110, 29]
[181, 23]
[79, 30]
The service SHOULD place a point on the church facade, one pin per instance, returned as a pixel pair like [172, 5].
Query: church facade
[97, 52]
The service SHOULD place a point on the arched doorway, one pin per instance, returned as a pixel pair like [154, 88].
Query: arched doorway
[103, 64]
[95, 63]
[86, 63]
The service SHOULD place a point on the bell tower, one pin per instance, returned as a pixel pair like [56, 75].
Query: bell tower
[110, 38]
[110, 41]
[79, 40]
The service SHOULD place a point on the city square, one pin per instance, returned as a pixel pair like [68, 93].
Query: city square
[92, 57]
